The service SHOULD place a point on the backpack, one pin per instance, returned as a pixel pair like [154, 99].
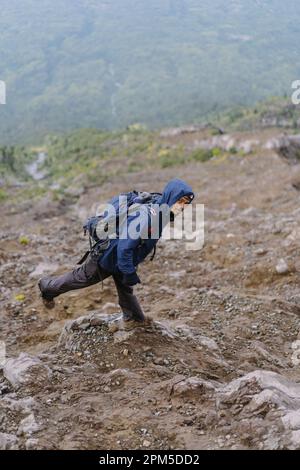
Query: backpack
[102, 228]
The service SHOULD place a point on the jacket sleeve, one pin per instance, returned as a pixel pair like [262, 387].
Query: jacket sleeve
[128, 245]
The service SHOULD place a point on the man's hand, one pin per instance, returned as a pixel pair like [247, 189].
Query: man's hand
[131, 279]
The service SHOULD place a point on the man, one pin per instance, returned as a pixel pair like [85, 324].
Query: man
[121, 258]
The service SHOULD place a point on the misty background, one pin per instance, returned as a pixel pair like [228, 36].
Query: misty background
[111, 63]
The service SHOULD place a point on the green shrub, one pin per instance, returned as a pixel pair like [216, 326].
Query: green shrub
[23, 240]
[3, 195]
[216, 151]
[201, 155]
[171, 159]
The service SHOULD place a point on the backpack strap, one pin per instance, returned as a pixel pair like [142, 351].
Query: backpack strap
[153, 254]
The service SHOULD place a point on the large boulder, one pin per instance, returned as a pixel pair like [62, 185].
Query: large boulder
[266, 401]
[25, 370]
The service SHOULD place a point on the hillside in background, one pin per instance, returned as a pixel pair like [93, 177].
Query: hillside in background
[91, 156]
[110, 63]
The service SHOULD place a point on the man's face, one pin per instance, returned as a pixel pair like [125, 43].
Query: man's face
[180, 204]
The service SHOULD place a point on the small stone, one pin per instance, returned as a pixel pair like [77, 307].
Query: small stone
[84, 326]
[31, 444]
[96, 321]
[28, 425]
[146, 443]
[125, 352]
[158, 361]
[282, 267]
[113, 328]
[261, 251]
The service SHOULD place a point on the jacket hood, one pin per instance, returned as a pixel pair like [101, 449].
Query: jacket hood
[174, 190]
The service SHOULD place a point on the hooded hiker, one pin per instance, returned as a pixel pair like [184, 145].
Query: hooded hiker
[120, 239]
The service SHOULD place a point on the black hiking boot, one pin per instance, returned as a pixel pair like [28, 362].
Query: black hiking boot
[48, 302]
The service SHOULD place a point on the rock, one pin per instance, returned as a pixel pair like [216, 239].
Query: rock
[247, 146]
[292, 420]
[163, 329]
[295, 440]
[82, 323]
[28, 426]
[261, 351]
[25, 369]
[146, 443]
[261, 251]
[176, 131]
[272, 443]
[272, 144]
[113, 327]
[282, 267]
[284, 391]
[31, 444]
[120, 336]
[96, 321]
[266, 393]
[177, 274]
[193, 333]
[7, 441]
[2, 354]
[192, 385]
[159, 361]
[209, 343]
[24, 405]
[289, 149]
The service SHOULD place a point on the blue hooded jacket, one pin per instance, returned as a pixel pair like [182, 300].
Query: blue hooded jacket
[123, 255]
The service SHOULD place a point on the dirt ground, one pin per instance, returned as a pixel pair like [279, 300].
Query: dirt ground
[215, 369]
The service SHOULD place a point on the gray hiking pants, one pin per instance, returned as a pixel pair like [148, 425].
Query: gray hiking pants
[86, 275]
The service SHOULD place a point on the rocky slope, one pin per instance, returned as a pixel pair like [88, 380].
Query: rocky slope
[217, 367]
